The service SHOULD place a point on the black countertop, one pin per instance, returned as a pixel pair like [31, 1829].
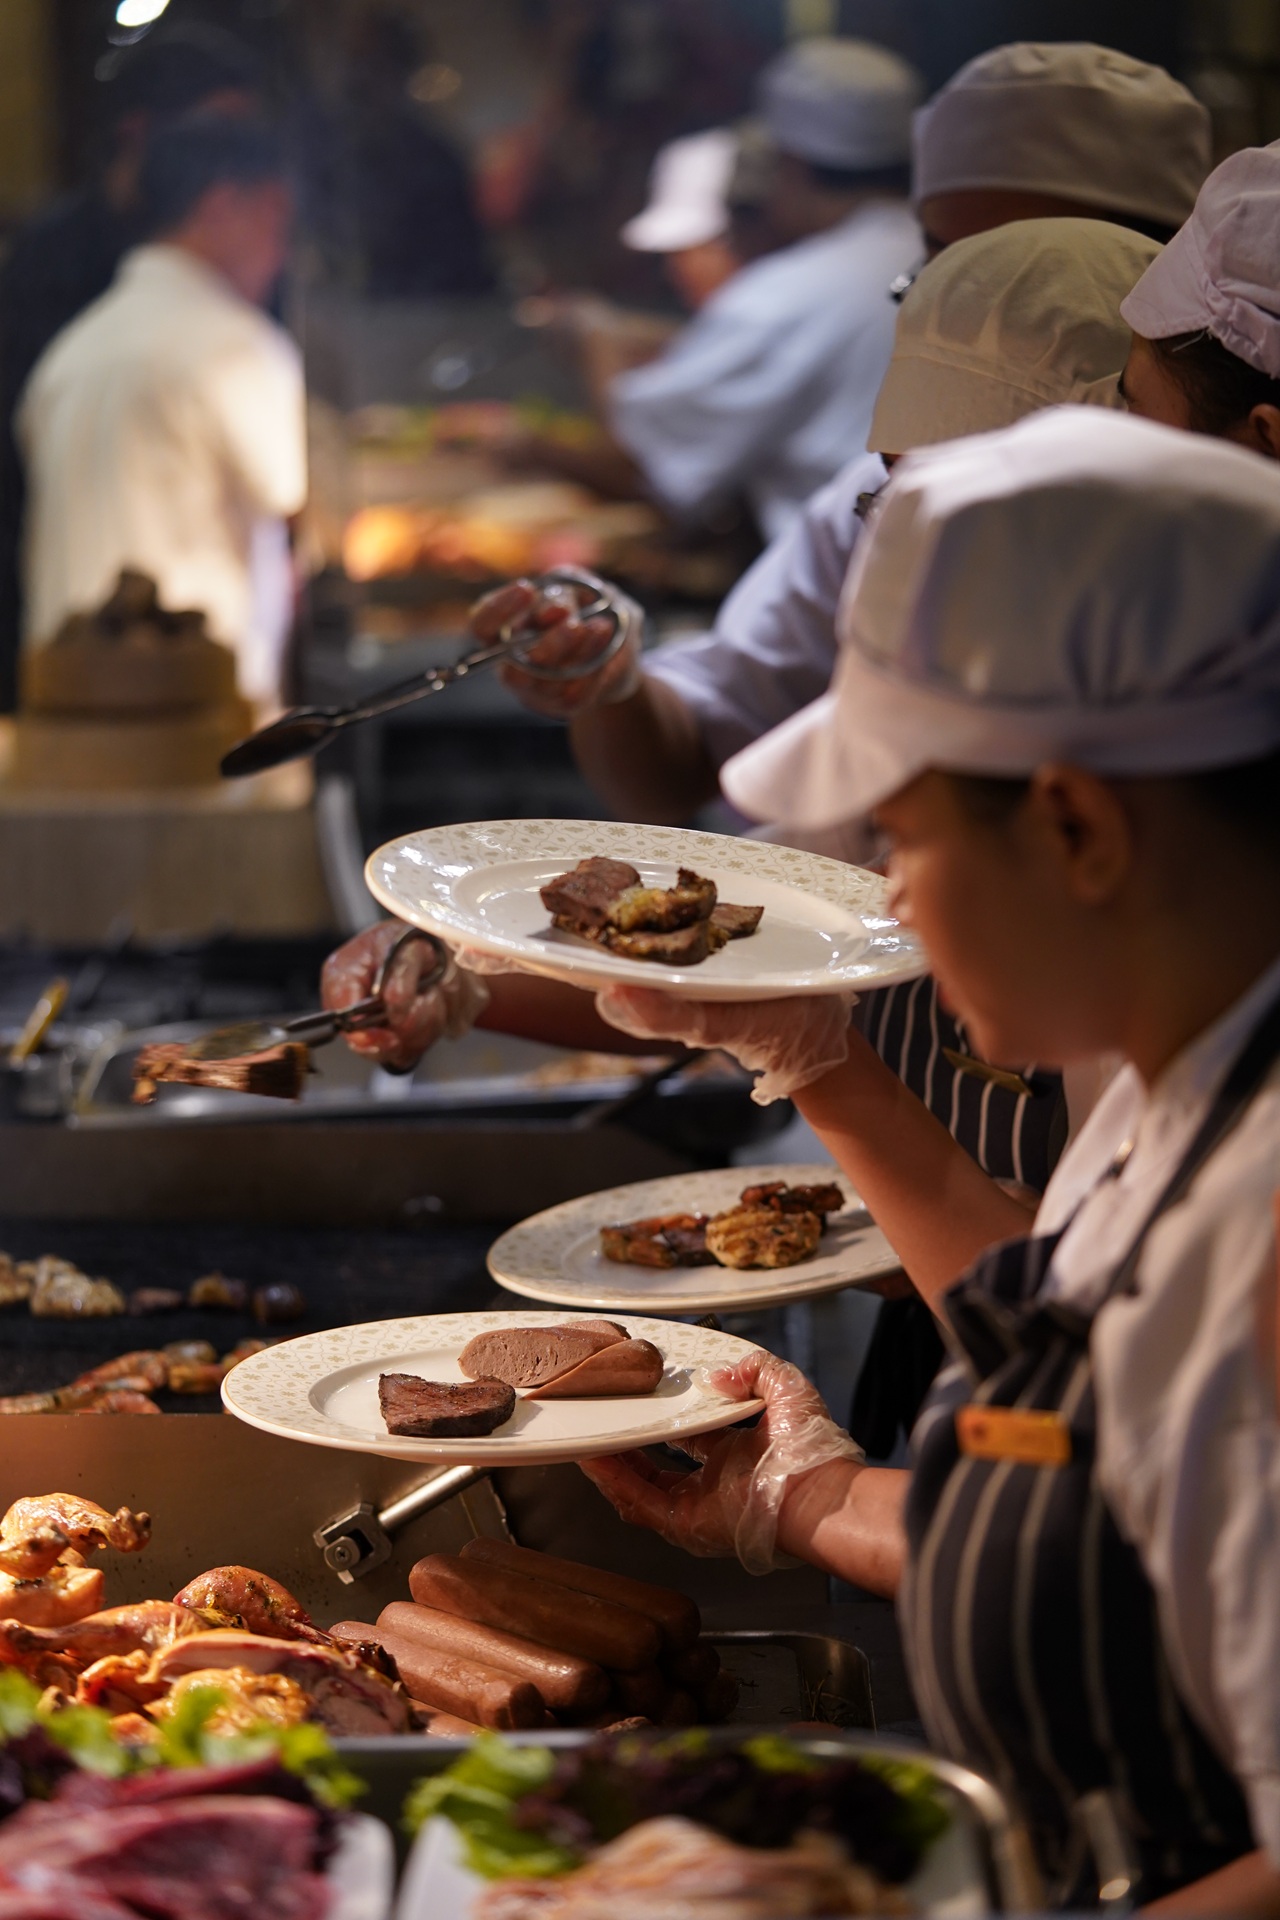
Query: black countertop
[344, 1276]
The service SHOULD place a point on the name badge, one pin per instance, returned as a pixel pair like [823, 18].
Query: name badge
[1031, 1439]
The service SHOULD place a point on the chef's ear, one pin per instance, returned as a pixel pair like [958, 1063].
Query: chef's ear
[1262, 431]
[1085, 829]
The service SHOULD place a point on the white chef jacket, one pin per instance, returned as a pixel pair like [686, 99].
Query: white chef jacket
[769, 390]
[1185, 1375]
[164, 430]
[773, 647]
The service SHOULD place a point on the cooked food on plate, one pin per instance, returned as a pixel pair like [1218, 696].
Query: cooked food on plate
[672, 1827]
[773, 1225]
[589, 1359]
[606, 901]
[428, 1409]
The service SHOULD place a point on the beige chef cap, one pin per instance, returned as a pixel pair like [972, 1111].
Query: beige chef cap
[840, 103]
[1002, 324]
[1079, 121]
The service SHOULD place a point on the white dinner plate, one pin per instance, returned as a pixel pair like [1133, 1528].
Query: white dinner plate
[556, 1255]
[323, 1388]
[825, 927]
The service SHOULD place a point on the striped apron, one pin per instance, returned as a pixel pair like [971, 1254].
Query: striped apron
[1031, 1628]
[1011, 1135]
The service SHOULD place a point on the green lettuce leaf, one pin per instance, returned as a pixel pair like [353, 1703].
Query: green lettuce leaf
[477, 1793]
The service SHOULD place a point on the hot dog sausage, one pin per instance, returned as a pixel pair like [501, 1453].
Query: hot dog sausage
[567, 1685]
[675, 1614]
[450, 1684]
[501, 1597]
[695, 1668]
[646, 1693]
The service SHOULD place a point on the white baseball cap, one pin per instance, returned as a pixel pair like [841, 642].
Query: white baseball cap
[1084, 586]
[1221, 273]
[688, 194]
[1005, 323]
[1078, 121]
[840, 103]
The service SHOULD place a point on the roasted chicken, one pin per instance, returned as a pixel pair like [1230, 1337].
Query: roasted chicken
[343, 1692]
[241, 1597]
[42, 1538]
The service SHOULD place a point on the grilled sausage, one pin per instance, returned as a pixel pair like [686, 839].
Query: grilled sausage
[646, 1694]
[447, 1683]
[508, 1599]
[675, 1615]
[695, 1669]
[567, 1685]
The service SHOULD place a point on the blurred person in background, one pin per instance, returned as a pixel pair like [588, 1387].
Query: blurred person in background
[390, 190]
[68, 254]
[164, 429]
[770, 387]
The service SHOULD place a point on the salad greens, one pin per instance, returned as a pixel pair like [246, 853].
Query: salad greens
[535, 1811]
[39, 1743]
[479, 1794]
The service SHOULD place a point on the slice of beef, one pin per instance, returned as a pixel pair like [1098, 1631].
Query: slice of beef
[689, 1243]
[628, 1367]
[438, 1410]
[663, 1240]
[684, 947]
[530, 1356]
[585, 897]
[738, 923]
[279, 1073]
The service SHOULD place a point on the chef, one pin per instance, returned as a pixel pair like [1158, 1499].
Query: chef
[771, 386]
[1206, 314]
[164, 429]
[1060, 690]
[1096, 132]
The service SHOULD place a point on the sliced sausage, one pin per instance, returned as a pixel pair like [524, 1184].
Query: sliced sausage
[510, 1600]
[448, 1683]
[567, 1685]
[674, 1613]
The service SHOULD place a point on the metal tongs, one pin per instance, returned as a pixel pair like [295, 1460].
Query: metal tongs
[305, 730]
[318, 1029]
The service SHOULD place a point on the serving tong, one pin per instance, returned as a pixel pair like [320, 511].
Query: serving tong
[318, 1029]
[304, 730]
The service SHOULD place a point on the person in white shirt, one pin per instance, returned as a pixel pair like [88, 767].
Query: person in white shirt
[1059, 688]
[164, 429]
[769, 389]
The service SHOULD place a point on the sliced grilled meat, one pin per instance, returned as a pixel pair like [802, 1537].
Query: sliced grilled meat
[763, 1237]
[438, 1410]
[586, 897]
[736, 923]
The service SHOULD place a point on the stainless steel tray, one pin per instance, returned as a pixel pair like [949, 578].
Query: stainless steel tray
[990, 1870]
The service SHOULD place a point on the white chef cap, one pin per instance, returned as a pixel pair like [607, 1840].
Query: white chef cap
[1084, 586]
[1221, 273]
[1002, 324]
[1075, 120]
[840, 103]
[688, 194]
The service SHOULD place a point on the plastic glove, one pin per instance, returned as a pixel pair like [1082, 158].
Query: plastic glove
[415, 1019]
[730, 1505]
[568, 641]
[789, 1043]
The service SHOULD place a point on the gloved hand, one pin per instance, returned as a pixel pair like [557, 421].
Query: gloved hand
[416, 1019]
[568, 641]
[789, 1043]
[730, 1505]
